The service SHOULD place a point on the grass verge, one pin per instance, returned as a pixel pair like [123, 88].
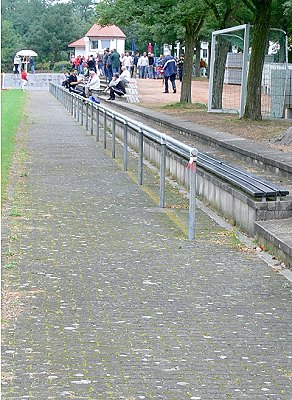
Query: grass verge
[185, 106]
[12, 110]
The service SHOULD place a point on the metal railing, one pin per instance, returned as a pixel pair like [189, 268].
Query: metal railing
[79, 107]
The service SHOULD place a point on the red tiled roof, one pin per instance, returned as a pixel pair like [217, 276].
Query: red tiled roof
[77, 43]
[110, 31]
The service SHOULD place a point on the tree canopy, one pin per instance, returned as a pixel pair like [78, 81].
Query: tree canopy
[46, 26]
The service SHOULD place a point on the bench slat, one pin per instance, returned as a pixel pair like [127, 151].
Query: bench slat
[251, 183]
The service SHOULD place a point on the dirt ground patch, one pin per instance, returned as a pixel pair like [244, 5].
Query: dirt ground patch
[151, 96]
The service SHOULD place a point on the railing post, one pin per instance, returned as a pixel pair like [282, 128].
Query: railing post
[192, 166]
[104, 129]
[126, 146]
[91, 118]
[114, 137]
[140, 161]
[75, 106]
[97, 124]
[162, 172]
[78, 109]
[72, 104]
[81, 121]
[86, 115]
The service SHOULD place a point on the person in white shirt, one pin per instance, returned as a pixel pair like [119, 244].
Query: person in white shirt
[93, 82]
[143, 64]
[127, 61]
[125, 75]
[16, 62]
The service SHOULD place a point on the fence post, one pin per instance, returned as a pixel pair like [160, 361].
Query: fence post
[75, 107]
[91, 118]
[140, 161]
[162, 172]
[126, 146]
[97, 123]
[104, 129]
[72, 105]
[86, 115]
[113, 136]
[192, 166]
[78, 109]
[81, 112]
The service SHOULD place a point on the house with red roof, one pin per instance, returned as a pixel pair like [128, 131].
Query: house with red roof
[99, 38]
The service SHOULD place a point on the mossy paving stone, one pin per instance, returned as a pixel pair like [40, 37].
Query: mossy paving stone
[116, 302]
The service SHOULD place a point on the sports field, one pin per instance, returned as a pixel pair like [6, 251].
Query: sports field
[12, 111]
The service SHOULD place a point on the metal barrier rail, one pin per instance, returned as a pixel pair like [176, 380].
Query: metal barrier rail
[75, 104]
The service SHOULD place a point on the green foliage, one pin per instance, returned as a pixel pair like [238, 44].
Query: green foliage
[45, 26]
[53, 31]
[11, 43]
[61, 66]
[160, 22]
[85, 10]
[12, 103]
[43, 66]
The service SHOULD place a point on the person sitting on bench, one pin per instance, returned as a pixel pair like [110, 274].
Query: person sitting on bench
[93, 82]
[116, 86]
[125, 76]
[73, 82]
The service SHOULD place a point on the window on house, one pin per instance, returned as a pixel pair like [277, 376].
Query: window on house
[94, 44]
[205, 53]
[105, 44]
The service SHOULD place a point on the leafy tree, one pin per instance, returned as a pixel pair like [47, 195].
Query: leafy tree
[51, 34]
[262, 11]
[47, 26]
[11, 43]
[23, 14]
[85, 9]
[166, 20]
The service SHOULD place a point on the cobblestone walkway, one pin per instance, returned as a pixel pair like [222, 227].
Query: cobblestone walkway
[111, 301]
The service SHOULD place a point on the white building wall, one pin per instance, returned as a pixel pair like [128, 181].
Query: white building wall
[118, 44]
[204, 52]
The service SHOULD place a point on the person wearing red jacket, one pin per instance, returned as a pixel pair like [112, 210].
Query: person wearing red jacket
[24, 80]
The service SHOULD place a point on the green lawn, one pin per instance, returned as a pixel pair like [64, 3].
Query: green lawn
[12, 110]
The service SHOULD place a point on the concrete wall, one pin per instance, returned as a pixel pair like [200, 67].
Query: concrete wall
[35, 81]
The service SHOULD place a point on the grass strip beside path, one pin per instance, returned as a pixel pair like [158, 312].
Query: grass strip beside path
[12, 111]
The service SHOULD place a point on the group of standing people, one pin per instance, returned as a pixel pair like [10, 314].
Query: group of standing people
[119, 69]
[20, 64]
[20, 68]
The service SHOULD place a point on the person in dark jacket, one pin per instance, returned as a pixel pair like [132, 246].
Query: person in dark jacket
[180, 67]
[115, 59]
[91, 64]
[170, 71]
[73, 81]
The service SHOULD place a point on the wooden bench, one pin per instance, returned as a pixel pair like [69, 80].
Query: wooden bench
[251, 184]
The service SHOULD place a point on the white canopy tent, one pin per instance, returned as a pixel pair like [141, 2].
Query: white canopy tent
[25, 55]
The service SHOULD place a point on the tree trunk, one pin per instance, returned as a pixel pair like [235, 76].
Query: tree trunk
[186, 88]
[221, 51]
[259, 43]
[198, 53]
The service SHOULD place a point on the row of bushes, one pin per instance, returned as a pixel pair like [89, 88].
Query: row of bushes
[59, 66]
